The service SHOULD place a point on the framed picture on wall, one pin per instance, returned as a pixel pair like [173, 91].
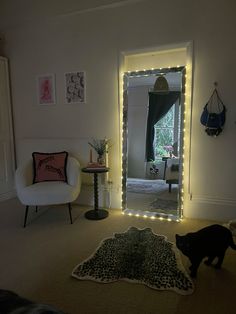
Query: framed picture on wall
[46, 89]
[75, 87]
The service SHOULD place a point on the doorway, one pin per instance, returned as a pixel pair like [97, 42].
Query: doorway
[152, 187]
[7, 160]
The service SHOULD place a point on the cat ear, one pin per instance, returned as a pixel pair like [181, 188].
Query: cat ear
[176, 236]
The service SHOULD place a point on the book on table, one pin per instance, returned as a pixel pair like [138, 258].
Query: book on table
[95, 166]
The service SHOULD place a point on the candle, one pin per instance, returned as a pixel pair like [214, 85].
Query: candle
[91, 156]
[106, 159]
[106, 162]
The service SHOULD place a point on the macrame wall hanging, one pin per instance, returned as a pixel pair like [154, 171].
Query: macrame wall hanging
[213, 115]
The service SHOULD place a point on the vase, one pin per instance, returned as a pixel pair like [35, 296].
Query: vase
[101, 160]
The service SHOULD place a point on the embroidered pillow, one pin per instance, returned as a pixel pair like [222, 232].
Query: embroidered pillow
[49, 166]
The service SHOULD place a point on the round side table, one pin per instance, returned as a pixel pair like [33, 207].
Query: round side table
[96, 213]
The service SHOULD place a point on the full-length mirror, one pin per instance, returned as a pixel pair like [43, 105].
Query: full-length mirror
[152, 141]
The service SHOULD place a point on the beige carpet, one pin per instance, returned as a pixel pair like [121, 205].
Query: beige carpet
[136, 185]
[36, 262]
[145, 195]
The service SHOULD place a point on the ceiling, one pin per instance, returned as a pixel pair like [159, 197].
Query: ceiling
[17, 12]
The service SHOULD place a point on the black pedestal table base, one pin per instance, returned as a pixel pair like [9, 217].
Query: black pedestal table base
[96, 213]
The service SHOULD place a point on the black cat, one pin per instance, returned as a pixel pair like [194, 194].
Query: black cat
[11, 303]
[211, 242]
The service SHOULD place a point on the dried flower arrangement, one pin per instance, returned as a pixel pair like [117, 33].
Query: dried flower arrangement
[100, 146]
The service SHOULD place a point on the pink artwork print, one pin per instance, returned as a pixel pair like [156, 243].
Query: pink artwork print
[46, 90]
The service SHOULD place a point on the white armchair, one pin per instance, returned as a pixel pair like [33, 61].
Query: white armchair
[48, 193]
[172, 171]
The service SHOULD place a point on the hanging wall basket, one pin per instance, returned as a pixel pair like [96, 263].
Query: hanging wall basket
[213, 115]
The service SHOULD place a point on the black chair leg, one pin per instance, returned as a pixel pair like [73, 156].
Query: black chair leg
[26, 214]
[69, 206]
[169, 187]
[36, 209]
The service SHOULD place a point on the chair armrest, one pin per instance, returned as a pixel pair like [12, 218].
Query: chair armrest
[24, 175]
[73, 172]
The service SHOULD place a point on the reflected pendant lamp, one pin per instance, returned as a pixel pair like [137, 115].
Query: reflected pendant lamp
[161, 85]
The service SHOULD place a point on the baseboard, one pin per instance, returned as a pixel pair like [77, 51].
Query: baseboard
[86, 196]
[210, 207]
[213, 200]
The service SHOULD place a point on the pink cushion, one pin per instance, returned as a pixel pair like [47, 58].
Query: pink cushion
[49, 166]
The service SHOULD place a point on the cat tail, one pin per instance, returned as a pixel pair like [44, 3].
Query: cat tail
[232, 244]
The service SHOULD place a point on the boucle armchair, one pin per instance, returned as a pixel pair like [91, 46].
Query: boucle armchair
[172, 171]
[48, 192]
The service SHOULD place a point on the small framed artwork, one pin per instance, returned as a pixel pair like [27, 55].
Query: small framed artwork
[75, 87]
[46, 89]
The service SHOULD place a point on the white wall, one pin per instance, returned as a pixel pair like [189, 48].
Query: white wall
[156, 58]
[137, 122]
[91, 41]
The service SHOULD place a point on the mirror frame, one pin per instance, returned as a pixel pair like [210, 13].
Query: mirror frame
[153, 72]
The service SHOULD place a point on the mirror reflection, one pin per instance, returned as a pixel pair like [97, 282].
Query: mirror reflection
[153, 124]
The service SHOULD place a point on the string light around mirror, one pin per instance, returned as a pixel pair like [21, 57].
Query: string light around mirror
[144, 215]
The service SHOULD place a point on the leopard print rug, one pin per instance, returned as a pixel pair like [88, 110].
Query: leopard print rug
[139, 256]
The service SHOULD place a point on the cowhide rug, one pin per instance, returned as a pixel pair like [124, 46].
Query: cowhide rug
[138, 256]
[146, 186]
[164, 204]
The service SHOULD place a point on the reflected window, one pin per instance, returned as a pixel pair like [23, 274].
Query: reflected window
[167, 134]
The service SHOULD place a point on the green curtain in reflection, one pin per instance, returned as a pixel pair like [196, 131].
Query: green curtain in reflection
[159, 105]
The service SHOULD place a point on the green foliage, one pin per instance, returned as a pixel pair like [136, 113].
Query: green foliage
[164, 134]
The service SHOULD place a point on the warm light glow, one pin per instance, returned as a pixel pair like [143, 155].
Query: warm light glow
[167, 218]
[185, 110]
[186, 137]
